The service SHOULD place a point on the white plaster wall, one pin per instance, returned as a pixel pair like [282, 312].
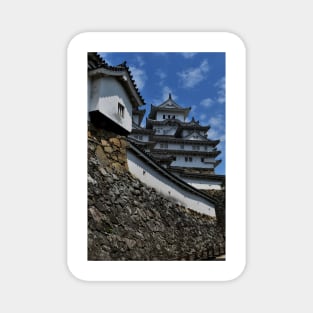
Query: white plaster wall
[178, 116]
[148, 175]
[105, 94]
[188, 147]
[196, 162]
[177, 146]
[165, 130]
[203, 184]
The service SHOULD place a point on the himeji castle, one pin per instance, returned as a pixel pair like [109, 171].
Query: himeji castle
[182, 147]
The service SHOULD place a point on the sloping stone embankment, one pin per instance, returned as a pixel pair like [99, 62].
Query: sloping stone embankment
[129, 221]
[219, 198]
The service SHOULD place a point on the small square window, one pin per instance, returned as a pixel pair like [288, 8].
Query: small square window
[163, 116]
[190, 159]
[120, 110]
[186, 159]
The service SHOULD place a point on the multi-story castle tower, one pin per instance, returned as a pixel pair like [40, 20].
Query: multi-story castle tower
[182, 147]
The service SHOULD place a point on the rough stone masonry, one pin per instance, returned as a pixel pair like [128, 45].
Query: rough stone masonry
[127, 220]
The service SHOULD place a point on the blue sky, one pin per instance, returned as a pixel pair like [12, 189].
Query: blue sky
[194, 79]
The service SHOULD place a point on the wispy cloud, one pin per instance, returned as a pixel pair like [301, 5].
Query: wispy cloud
[217, 121]
[217, 130]
[194, 75]
[140, 60]
[220, 85]
[188, 55]
[203, 116]
[207, 102]
[161, 74]
[166, 90]
[139, 75]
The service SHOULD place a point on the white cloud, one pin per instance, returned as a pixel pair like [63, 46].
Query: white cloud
[188, 55]
[140, 60]
[207, 102]
[139, 75]
[220, 84]
[161, 74]
[193, 76]
[216, 121]
[222, 138]
[203, 116]
[213, 134]
[217, 130]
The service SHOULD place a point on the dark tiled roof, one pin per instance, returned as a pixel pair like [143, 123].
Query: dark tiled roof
[187, 152]
[197, 172]
[164, 138]
[140, 130]
[140, 142]
[189, 126]
[140, 114]
[181, 125]
[96, 62]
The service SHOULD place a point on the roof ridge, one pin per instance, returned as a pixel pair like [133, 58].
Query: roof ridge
[101, 63]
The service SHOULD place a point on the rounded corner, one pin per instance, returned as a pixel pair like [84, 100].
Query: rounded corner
[76, 39]
[237, 39]
[238, 272]
[75, 275]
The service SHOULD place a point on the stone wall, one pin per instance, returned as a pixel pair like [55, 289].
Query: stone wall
[219, 197]
[129, 221]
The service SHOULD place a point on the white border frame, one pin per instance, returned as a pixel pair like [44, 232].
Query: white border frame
[235, 261]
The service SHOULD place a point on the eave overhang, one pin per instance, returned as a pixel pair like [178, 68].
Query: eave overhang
[207, 154]
[97, 67]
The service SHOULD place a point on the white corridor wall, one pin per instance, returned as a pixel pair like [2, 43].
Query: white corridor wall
[166, 186]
